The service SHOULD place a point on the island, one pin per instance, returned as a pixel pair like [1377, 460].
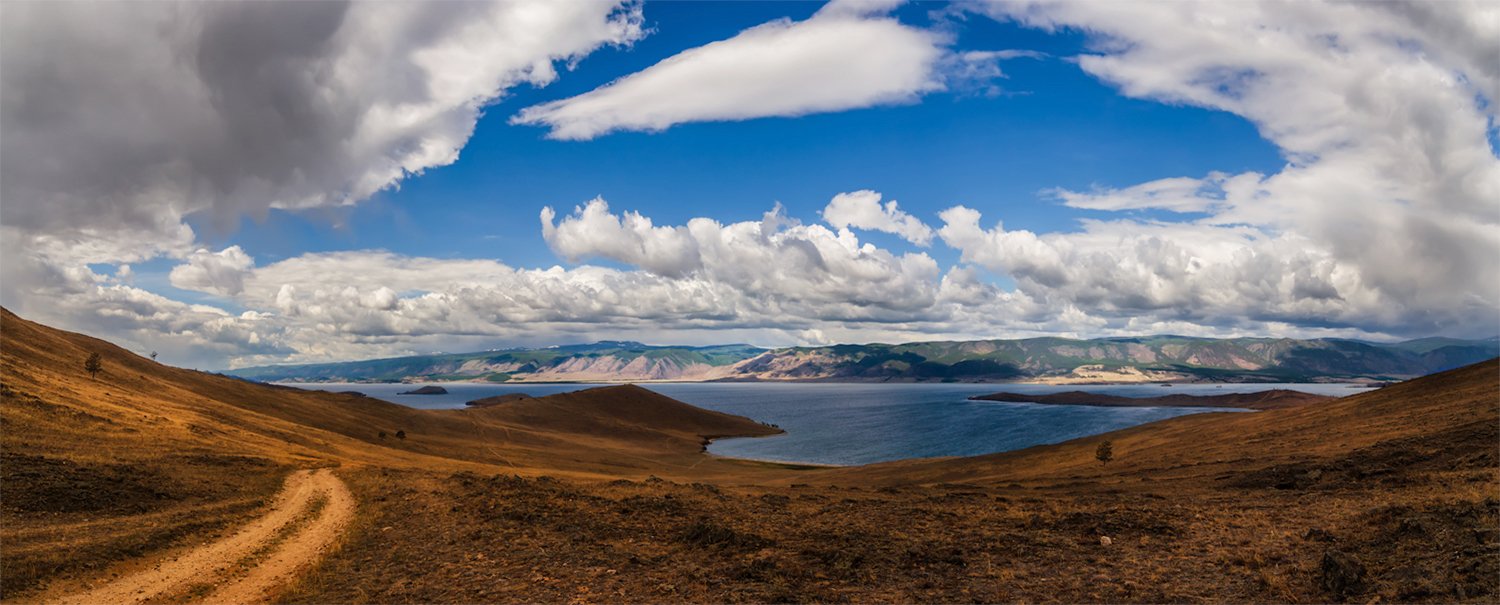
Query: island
[427, 390]
[1262, 400]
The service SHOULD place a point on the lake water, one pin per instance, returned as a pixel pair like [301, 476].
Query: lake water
[828, 423]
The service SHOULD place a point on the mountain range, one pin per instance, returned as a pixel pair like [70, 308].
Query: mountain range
[1053, 360]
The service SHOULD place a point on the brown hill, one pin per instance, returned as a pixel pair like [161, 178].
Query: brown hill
[135, 460]
[60, 409]
[1451, 417]
[498, 400]
[605, 495]
[1262, 400]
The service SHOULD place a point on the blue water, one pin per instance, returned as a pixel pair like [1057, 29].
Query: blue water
[829, 423]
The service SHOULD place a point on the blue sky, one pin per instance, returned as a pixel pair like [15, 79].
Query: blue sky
[1054, 126]
[386, 178]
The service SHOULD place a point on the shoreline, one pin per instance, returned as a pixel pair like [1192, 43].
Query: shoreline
[794, 465]
[1353, 383]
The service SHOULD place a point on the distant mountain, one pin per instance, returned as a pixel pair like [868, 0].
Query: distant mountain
[1148, 359]
[600, 361]
[1057, 360]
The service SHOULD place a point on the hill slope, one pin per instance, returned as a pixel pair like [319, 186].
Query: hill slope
[1449, 420]
[605, 495]
[134, 460]
[1259, 400]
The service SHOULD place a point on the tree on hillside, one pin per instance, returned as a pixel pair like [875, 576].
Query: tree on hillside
[153, 356]
[400, 434]
[1106, 452]
[93, 364]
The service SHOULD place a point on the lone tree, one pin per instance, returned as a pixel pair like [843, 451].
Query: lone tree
[1106, 452]
[400, 434]
[153, 356]
[92, 365]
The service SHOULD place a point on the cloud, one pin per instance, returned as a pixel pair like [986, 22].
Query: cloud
[221, 272]
[1386, 114]
[593, 231]
[128, 113]
[1177, 194]
[122, 119]
[976, 71]
[775, 281]
[846, 56]
[862, 210]
[1204, 273]
[775, 259]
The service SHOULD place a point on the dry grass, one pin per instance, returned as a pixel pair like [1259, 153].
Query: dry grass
[66, 518]
[473, 538]
[556, 499]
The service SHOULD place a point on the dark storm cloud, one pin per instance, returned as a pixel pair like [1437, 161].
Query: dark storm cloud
[136, 114]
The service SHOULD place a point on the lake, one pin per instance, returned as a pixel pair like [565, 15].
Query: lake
[861, 423]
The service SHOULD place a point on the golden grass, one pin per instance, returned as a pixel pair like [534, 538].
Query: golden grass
[606, 496]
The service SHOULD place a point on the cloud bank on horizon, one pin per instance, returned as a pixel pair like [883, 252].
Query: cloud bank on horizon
[121, 123]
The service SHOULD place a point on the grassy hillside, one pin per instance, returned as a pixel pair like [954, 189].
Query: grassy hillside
[134, 460]
[606, 495]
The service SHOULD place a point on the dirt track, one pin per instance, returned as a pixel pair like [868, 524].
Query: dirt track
[247, 566]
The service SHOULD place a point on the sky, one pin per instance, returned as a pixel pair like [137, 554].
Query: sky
[237, 184]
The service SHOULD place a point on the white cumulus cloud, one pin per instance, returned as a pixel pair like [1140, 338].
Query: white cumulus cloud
[1386, 113]
[862, 210]
[221, 272]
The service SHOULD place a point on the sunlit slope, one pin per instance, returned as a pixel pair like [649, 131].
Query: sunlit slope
[136, 407]
[1447, 420]
[144, 458]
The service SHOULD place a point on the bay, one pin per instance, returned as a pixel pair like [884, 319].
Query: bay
[862, 423]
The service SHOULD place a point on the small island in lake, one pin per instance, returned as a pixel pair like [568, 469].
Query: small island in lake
[1263, 400]
[427, 390]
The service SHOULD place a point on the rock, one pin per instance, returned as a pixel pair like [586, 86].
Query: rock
[1105, 541]
[1342, 574]
[427, 390]
[1412, 583]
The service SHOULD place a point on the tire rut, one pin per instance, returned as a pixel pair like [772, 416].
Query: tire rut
[222, 559]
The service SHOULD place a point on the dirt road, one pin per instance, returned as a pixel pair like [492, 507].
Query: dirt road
[304, 521]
